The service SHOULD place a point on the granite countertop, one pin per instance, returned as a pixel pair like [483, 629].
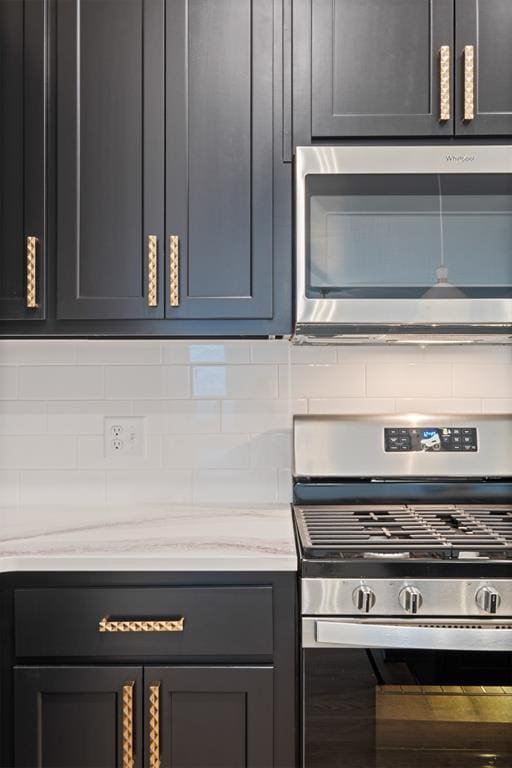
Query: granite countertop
[147, 538]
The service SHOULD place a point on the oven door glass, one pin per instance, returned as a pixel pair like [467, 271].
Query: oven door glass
[408, 236]
[407, 709]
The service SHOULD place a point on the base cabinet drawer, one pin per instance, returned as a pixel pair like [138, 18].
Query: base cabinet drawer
[144, 622]
[105, 717]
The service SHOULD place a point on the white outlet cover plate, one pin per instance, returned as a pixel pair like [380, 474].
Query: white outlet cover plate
[129, 432]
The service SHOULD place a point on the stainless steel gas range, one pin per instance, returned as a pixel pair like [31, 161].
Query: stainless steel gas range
[404, 525]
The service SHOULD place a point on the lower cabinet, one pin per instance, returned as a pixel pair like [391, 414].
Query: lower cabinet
[129, 717]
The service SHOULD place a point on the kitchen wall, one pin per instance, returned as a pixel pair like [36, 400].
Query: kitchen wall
[217, 414]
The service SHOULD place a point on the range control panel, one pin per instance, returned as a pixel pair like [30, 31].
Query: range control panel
[430, 439]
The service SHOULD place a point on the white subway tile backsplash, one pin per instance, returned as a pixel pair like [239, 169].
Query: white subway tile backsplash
[8, 382]
[58, 486]
[28, 352]
[83, 417]
[148, 487]
[217, 414]
[482, 381]
[179, 416]
[271, 449]
[235, 381]
[235, 486]
[118, 352]
[342, 405]
[259, 415]
[37, 452]
[91, 454]
[58, 382]
[21, 417]
[9, 487]
[300, 381]
[206, 451]
[408, 379]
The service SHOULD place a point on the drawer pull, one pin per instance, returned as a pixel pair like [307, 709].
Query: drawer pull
[152, 271]
[469, 82]
[128, 753]
[174, 270]
[154, 725]
[444, 83]
[143, 625]
[31, 272]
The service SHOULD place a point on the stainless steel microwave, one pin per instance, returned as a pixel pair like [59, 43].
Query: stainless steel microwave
[398, 243]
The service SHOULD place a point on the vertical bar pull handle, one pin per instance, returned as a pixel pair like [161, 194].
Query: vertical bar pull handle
[128, 750]
[152, 271]
[444, 83]
[154, 725]
[469, 82]
[31, 273]
[174, 270]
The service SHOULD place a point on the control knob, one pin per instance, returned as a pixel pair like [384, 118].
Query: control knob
[488, 599]
[411, 599]
[363, 598]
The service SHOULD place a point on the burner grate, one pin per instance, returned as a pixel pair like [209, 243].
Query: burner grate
[448, 530]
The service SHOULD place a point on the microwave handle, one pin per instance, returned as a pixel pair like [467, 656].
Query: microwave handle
[443, 637]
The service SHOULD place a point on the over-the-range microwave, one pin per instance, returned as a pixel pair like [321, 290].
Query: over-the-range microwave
[404, 243]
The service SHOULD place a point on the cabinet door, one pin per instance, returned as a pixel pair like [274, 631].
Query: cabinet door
[487, 81]
[219, 157]
[22, 159]
[376, 67]
[70, 717]
[220, 717]
[110, 158]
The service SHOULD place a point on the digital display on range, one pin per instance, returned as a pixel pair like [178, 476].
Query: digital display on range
[445, 439]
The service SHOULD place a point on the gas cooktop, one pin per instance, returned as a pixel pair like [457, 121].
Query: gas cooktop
[405, 531]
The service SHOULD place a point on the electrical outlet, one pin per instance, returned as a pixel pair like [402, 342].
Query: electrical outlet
[124, 437]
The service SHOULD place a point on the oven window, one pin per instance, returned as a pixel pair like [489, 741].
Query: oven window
[409, 236]
[412, 709]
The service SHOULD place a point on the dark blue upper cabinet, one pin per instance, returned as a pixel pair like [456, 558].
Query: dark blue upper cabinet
[22, 159]
[109, 159]
[484, 99]
[228, 190]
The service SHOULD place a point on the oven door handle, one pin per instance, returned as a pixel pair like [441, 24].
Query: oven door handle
[422, 636]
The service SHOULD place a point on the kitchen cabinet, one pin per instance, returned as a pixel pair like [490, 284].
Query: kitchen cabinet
[109, 158]
[78, 716]
[376, 67]
[93, 716]
[211, 716]
[486, 28]
[224, 172]
[130, 670]
[172, 198]
[22, 159]
[402, 68]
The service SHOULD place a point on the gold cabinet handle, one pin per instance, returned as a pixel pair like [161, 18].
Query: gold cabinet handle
[444, 83]
[128, 750]
[142, 625]
[31, 272]
[154, 725]
[174, 270]
[152, 271]
[469, 82]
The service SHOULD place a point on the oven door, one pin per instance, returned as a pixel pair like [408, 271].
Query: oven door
[403, 235]
[407, 694]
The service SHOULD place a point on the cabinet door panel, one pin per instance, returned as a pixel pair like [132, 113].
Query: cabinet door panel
[220, 717]
[375, 67]
[22, 154]
[75, 717]
[110, 190]
[220, 129]
[487, 26]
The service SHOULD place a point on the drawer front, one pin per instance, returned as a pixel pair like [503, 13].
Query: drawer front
[163, 621]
